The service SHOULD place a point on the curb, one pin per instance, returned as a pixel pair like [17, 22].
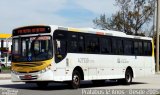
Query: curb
[157, 73]
[5, 76]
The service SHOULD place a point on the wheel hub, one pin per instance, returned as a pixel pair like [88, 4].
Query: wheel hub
[76, 79]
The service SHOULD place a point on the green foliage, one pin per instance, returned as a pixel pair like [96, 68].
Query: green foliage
[6, 70]
[131, 17]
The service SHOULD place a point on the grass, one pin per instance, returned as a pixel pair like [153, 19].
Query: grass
[6, 70]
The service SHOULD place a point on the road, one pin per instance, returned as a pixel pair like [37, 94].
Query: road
[9, 88]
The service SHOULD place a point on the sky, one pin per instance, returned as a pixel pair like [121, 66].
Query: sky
[69, 13]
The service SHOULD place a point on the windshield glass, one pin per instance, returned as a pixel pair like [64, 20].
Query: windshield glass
[37, 48]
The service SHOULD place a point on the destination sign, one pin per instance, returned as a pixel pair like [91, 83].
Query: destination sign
[31, 30]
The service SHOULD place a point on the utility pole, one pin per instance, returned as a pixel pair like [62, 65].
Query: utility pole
[155, 19]
[158, 30]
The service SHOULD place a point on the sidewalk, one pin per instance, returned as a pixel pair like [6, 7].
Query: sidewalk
[4, 76]
[157, 73]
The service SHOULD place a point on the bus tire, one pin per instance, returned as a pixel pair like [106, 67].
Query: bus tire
[76, 79]
[128, 78]
[42, 84]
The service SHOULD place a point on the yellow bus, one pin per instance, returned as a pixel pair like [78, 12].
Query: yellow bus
[49, 53]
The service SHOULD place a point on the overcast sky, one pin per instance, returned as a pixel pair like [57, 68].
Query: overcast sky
[72, 13]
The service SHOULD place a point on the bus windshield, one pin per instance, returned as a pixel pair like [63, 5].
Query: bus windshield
[28, 49]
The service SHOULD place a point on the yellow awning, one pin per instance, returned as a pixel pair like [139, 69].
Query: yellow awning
[5, 35]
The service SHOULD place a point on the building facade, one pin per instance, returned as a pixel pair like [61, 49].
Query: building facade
[5, 46]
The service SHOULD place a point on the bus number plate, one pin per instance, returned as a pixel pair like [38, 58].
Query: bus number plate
[27, 77]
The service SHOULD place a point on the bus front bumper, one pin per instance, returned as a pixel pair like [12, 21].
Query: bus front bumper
[23, 77]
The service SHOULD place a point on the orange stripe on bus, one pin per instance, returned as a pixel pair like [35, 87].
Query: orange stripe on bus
[100, 33]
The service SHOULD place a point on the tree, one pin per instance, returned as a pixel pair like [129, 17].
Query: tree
[131, 18]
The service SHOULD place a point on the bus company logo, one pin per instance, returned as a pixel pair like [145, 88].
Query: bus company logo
[122, 60]
[85, 60]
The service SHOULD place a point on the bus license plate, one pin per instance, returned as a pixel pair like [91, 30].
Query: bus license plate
[27, 77]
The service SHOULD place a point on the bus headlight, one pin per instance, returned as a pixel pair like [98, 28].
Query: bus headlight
[14, 72]
[43, 71]
[46, 69]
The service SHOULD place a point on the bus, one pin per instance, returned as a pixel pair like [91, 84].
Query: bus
[50, 53]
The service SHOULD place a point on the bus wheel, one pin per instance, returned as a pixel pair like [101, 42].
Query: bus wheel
[42, 84]
[128, 78]
[76, 78]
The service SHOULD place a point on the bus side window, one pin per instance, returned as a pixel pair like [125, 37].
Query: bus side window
[145, 44]
[140, 48]
[92, 44]
[128, 47]
[72, 43]
[105, 45]
[120, 46]
[114, 46]
[117, 46]
[60, 50]
[60, 45]
[136, 48]
[149, 48]
[81, 44]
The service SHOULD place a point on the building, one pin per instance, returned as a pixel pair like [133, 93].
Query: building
[5, 46]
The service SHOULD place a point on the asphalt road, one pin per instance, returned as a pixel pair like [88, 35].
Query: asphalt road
[9, 88]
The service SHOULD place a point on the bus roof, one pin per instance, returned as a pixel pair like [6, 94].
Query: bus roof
[93, 31]
[103, 32]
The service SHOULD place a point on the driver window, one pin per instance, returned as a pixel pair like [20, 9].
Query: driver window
[36, 47]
